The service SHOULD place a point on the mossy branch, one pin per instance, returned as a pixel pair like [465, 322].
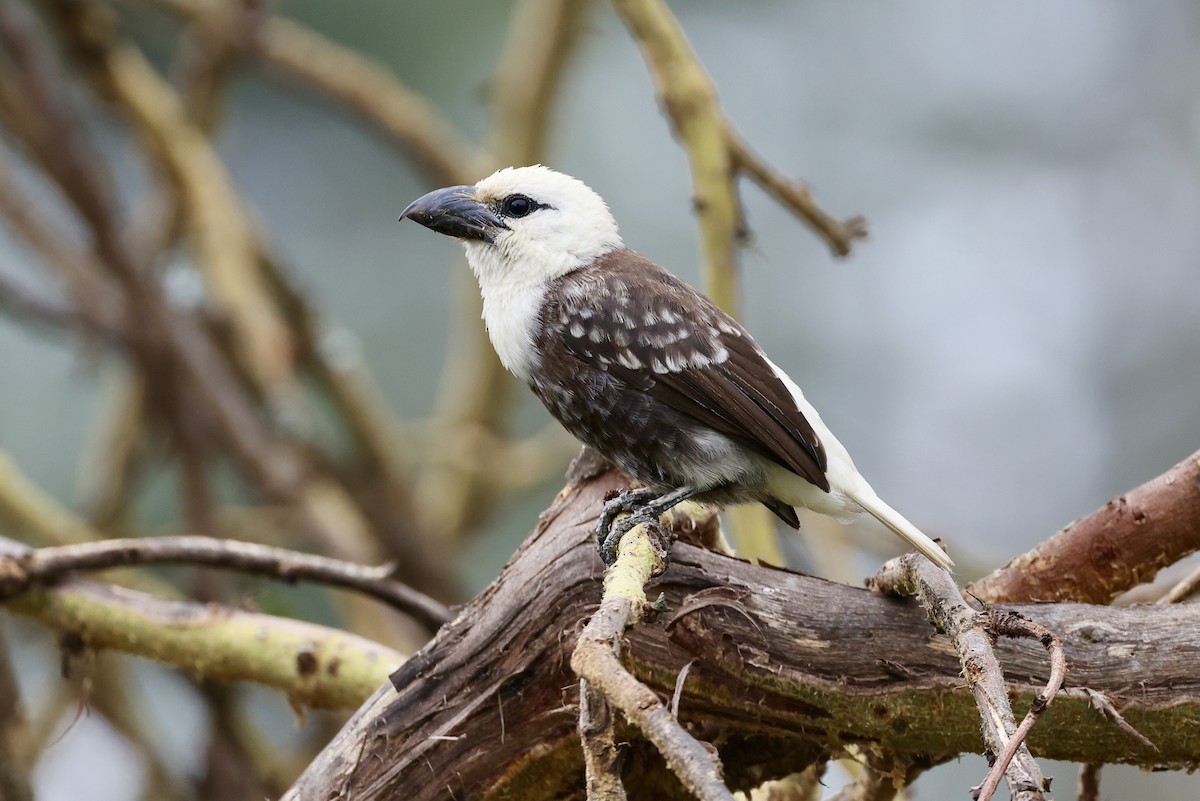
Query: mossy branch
[315, 666]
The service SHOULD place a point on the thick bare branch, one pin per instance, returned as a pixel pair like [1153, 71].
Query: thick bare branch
[1120, 545]
[788, 669]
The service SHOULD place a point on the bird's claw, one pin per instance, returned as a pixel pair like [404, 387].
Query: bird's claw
[610, 529]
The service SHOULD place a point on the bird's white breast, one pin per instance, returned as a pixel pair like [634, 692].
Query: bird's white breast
[510, 310]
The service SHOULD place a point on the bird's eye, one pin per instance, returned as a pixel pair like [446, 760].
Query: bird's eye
[517, 206]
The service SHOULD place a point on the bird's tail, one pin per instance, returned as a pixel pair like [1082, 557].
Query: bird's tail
[885, 514]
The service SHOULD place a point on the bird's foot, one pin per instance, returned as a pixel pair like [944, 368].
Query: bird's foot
[644, 506]
[610, 540]
[625, 503]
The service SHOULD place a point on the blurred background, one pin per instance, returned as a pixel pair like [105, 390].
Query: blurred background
[1017, 341]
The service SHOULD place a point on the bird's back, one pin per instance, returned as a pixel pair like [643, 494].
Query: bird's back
[646, 369]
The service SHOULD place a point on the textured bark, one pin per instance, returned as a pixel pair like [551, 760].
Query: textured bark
[787, 668]
[1120, 545]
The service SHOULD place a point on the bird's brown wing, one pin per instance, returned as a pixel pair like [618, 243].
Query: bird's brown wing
[630, 318]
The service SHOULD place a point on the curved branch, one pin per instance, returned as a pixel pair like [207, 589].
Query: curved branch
[19, 573]
[715, 150]
[1120, 545]
[642, 554]
[366, 89]
[716, 153]
[315, 665]
[689, 99]
[222, 233]
[404, 117]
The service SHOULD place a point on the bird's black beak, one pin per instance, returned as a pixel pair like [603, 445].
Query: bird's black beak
[455, 211]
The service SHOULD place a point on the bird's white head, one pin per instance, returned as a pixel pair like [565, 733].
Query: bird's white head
[521, 225]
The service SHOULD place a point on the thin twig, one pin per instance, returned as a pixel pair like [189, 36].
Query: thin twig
[969, 632]
[1104, 706]
[1185, 588]
[680, 680]
[75, 267]
[689, 98]
[1007, 624]
[715, 149]
[601, 756]
[641, 555]
[797, 198]
[38, 566]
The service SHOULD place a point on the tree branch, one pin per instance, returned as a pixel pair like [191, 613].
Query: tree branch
[715, 150]
[601, 756]
[314, 665]
[715, 154]
[474, 390]
[29, 568]
[1120, 545]
[14, 778]
[787, 670]
[972, 635]
[642, 554]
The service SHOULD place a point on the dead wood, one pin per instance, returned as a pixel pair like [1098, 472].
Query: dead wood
[787, 669]
[1120, 545]
[973, 634]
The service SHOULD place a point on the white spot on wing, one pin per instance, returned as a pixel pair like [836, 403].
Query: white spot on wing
[628, 360]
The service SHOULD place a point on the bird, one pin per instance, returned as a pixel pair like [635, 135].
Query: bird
[641, 366]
